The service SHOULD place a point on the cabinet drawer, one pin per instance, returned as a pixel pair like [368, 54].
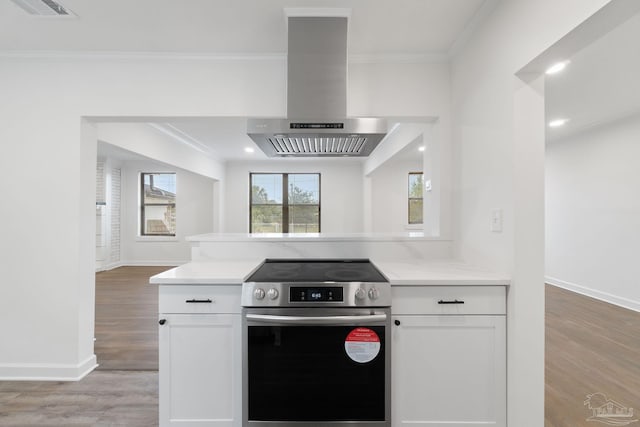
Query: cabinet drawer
[199, 299]
[448, 300]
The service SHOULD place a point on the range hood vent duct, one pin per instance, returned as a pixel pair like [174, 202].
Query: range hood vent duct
[316, 123]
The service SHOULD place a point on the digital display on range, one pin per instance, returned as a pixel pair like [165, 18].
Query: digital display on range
[305, 294]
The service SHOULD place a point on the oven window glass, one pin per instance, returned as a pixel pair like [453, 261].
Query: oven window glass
[303, 373]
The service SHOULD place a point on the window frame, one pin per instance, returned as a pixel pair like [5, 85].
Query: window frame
[143, 204]
[285, 199]
[409, 199]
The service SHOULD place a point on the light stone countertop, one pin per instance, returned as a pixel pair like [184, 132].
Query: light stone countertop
[223, 272]
[437, 272]
[399, 273]
[313, 237]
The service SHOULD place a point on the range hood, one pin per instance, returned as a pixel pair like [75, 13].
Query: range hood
[316, 123]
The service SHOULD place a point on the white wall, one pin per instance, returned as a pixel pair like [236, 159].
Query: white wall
[389, 194]
[108, 216]
[45, 140]
[593, 212]
[341, 196]
[498, 156]
[141, 138]
[373, 86]
[194, 215]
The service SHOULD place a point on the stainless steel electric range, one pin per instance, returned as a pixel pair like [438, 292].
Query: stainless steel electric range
[316, 346]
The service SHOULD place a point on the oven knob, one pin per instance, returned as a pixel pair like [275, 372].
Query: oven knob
[360, 293]
[258, 293]
[272, 293]
[373, 293]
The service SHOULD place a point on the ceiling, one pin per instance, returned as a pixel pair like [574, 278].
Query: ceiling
[598, 86]
[232, 26]
[601, 83]
[377, 28]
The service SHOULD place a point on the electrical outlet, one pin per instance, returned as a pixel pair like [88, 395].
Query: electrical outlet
[496, 220]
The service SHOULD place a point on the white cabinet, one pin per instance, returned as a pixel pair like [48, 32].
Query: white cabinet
[200, 356]
[448, 357]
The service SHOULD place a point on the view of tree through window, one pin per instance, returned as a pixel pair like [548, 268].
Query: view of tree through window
[158, 204]
[285, 203]
[415, 198]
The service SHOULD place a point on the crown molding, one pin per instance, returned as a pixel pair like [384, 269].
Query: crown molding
[197, 56]
[399, 58]
[469, 30]
[373, 58]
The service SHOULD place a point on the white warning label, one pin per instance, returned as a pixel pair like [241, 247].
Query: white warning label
[362, 345]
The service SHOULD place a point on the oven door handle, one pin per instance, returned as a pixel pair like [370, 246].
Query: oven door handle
[316, 320]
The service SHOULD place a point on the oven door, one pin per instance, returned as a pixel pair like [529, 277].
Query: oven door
[314, 366]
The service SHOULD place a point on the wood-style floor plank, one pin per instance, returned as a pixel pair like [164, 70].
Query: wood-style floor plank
[127, 319]
[591, 347]
[102, 398]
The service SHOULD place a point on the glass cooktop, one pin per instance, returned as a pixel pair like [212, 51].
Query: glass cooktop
[317, 270]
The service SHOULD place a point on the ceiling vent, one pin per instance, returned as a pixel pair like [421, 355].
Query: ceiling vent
[43, 8]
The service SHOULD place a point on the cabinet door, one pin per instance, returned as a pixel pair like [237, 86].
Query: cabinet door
[200, 370]
[449, 371]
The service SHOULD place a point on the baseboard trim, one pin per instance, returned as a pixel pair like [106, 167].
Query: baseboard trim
[47, 371]
[109, 266]
[172, 263]
[593, 293]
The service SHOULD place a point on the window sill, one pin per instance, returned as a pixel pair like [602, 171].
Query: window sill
[414, 227]
[156, 239]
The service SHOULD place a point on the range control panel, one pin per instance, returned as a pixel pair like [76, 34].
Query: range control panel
[353, 294]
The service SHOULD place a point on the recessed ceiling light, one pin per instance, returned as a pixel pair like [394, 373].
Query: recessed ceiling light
[249, 150]
[557, 67]
[557, 123]
[421, 148]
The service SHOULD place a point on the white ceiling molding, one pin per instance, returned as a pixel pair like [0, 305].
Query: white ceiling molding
[317, 12]
[409, 58]
[142, 55]
[182, 137]
[44, 8]
[478, 18]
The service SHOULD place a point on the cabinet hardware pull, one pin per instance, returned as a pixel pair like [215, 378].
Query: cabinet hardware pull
[397, 322]
[162, 321]
[455, 301]
[208, 300]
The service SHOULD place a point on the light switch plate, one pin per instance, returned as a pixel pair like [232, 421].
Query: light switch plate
[496, 220]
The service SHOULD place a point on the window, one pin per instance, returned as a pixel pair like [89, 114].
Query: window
[158, 204]
[415, 197]
[284, 203]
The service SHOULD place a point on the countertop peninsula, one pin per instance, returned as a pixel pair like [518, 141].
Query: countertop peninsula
[399, 273]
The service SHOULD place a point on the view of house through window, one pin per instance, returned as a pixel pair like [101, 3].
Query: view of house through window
[415, 198]
[284, 203]
[158, 204]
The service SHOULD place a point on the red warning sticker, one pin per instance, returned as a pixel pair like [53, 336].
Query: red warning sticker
[362, 345]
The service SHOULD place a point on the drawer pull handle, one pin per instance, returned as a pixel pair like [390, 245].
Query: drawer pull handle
[208, 301]
[455, 301]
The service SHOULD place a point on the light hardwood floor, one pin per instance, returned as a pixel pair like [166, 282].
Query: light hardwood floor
[591, 346]
[127, 319]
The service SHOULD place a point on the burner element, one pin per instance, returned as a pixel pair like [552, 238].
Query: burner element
[344, 275]
[289, 275]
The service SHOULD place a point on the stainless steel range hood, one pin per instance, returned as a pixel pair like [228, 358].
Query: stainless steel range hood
[316, 123]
